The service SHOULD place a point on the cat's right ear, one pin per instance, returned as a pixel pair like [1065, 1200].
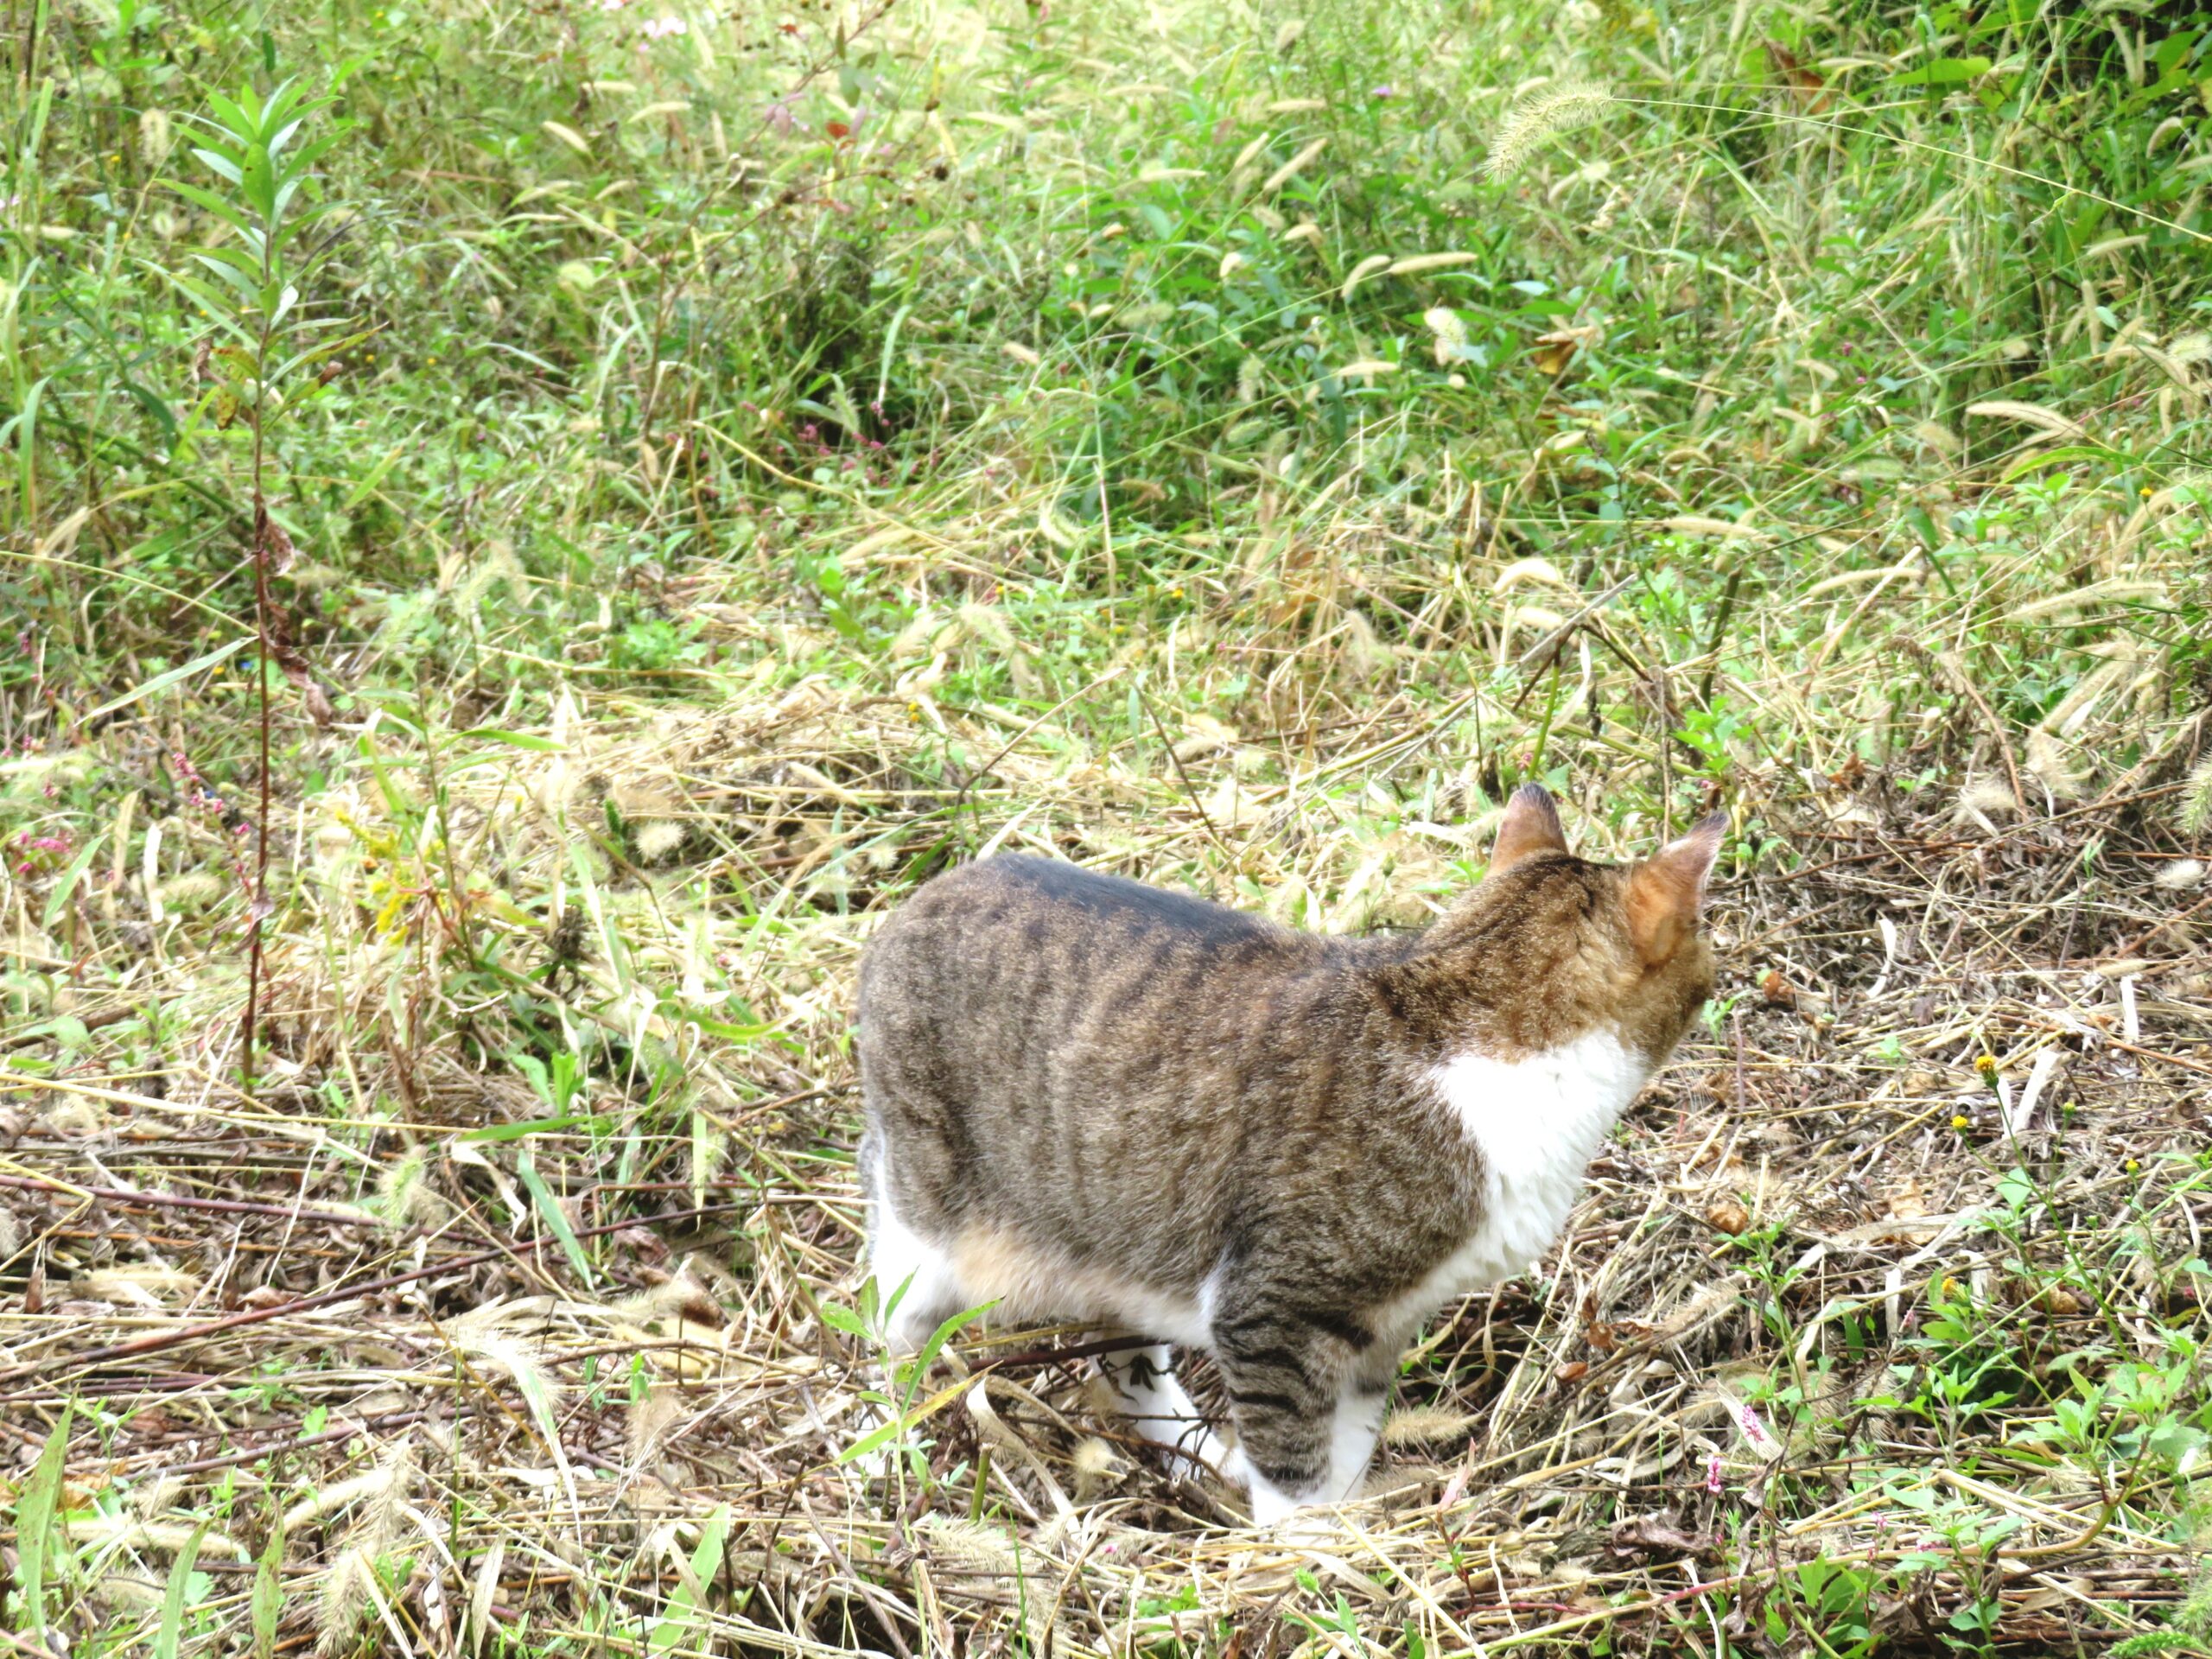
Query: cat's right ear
[1667, 892]
[1530, 826]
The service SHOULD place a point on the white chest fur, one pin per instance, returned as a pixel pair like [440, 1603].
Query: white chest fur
[1537, 1123]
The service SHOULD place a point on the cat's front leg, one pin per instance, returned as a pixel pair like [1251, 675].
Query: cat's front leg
[1307, 1414]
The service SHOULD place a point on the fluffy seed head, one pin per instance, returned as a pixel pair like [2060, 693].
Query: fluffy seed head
[1548, 109]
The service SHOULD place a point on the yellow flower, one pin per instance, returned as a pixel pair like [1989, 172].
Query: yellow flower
[1961, 1121]
[2132, 1166]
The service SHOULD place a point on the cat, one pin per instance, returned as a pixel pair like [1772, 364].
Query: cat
[1090, 1099]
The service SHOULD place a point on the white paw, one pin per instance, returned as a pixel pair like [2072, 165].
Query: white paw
[1308, 1525]
[1236, 1468]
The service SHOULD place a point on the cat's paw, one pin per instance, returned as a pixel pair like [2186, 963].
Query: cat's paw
[1287, 1515]
[1307, 1526]
[1236, 1468]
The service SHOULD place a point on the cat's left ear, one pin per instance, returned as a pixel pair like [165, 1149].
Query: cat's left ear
[1666, 893]
[1530, 826]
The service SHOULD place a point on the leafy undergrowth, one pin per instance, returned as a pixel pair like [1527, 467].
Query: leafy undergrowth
[716, 476]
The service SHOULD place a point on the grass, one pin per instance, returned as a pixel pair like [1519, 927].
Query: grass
[751, 465]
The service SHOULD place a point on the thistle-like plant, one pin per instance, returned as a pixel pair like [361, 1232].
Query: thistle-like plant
[268, 341]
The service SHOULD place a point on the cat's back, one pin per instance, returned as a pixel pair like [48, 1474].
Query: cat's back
[1037, 897]
[1017, 941]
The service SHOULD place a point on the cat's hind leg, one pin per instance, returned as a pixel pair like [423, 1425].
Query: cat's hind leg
[916, 1291]
[916, 1287]
[1150, 1395]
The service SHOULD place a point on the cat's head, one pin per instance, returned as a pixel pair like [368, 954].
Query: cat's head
[1550, 947]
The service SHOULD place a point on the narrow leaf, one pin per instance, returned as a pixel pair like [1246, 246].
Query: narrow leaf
[208, 202]
[683, 1619]
[268, 1598]
[549, 1207]
[35, 1513]
[513, 739]
[169, 678]
[595, 1124]
[221, 164]
[179, 1597]
[58, 900]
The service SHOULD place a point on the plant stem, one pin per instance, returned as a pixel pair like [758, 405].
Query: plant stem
[259, 909]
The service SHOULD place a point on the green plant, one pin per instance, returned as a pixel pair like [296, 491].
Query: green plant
[272, 337]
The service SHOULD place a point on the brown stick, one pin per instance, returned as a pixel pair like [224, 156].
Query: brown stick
[168, 1201]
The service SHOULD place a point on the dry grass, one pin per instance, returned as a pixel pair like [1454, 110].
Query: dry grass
[1945, 1135]
[1737, 443]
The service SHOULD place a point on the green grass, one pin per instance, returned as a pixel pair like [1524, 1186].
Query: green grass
[755, 464]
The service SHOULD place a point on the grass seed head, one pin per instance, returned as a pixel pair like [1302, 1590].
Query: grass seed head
[1542, 113]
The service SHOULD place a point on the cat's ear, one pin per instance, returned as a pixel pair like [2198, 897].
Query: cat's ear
[1530, 826]
[1667, 892]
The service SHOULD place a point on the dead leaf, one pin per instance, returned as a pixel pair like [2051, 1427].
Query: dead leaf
[1726, 1216]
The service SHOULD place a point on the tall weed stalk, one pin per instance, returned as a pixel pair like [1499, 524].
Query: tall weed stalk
[270, 340]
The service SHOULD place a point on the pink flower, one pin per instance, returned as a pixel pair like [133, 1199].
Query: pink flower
[660, 29]
[1713, 1475]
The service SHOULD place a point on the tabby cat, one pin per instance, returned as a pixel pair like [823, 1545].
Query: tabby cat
[1092, 1100]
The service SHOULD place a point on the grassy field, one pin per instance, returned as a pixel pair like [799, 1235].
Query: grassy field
[520, 545]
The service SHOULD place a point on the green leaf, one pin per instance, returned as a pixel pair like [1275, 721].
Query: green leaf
[2175, 1441]
[838, 1316]
[235, 121]
[512, 740]
[234, 258]
[58, 900]
[682, 1620]
[162, 681]
[217, 308]
[259, 183]
[242, 285]
[869, 1441]
[592, 1123]
[35, 1512]
[208, 202]
[549, 1208]
[268, 1598]
[942, 1335]
[222, 165]
[315, 354]
[179, 1597]
[1942, 72]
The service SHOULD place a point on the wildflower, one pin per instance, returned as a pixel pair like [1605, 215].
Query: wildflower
[660, 29]
[1986, 1065]
[1384, 91]
[1961, 1121]
[1712, 1472]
